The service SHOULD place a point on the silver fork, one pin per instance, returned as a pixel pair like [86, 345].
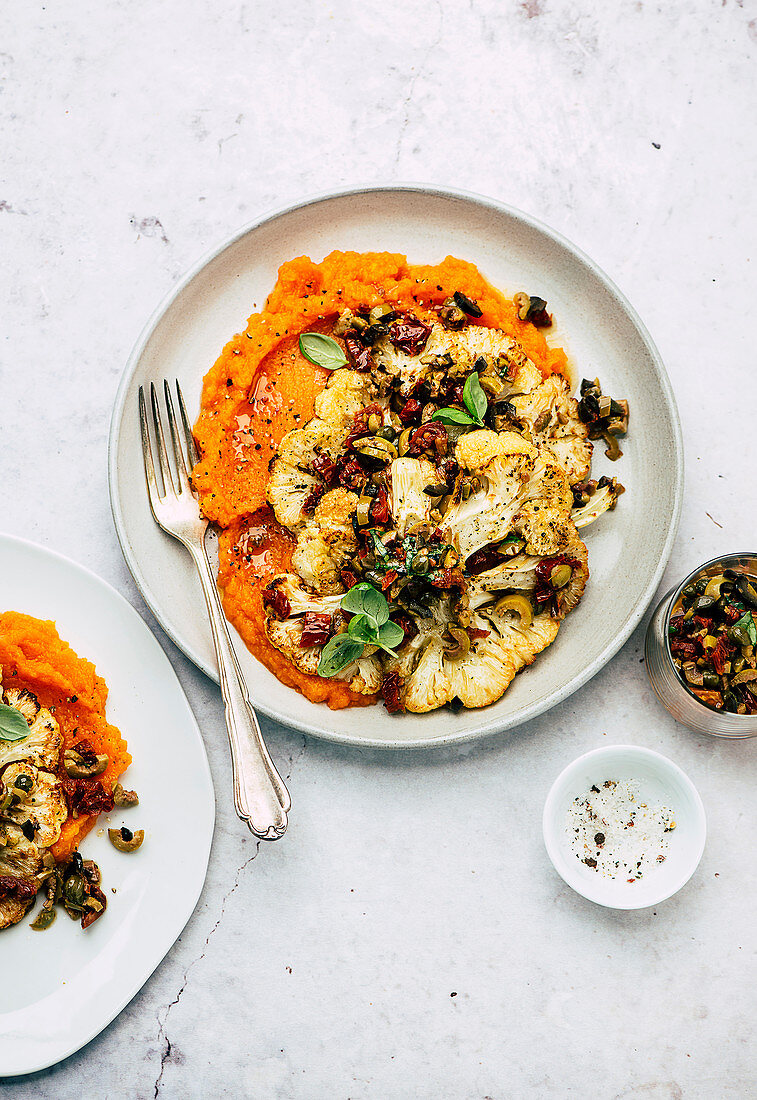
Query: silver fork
[260, 797]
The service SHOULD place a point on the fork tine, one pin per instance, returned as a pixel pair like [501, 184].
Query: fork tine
[165, 469]
[194, 458]
[178, 450]
[152, 485]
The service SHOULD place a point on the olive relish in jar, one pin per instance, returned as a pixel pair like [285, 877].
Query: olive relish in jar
[712, 634]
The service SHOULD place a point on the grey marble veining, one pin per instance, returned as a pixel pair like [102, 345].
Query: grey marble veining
[408, 938]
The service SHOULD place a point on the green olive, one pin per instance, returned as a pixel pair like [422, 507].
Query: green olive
[420, 562]
[124, 840]
[560, 576]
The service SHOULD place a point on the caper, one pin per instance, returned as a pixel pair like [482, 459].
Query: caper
[24, 783]
[738, 634]
[560, 576]
[730, 702]
[711, 680]
[387, 433]
[420, 562]
[73, 890]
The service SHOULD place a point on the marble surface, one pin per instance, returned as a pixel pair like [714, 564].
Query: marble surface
[408, 938]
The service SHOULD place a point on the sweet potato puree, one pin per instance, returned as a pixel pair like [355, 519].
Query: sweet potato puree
[260, 388]
[33, 656]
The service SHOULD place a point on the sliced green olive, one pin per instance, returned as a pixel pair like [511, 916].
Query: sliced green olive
[560, 576]
[521, 605]
[44, 919]
[77, 767]
[714, 586]
[125, 840]
[376, 447]
[404, 441]
[363, 510]
[73, 890]
[458, 645]
[704, 603]
[124, 798]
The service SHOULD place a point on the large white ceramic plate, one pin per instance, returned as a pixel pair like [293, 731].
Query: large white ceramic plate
[627, 550]
[61, 987]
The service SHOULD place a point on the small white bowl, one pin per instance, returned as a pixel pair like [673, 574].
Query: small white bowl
[661, 781]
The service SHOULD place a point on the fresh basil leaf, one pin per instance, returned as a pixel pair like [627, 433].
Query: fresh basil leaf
[339, 651]
[746, 622]
[13, 725]
[363, 629]
[475, 399]
[390, 635]
[322, 350]
[452, 416]
[364, 599]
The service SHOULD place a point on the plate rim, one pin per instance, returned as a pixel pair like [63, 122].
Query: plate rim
[133, 987]
[493, 727]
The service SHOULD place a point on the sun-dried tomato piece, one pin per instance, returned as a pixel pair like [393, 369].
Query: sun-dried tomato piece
[325, 467]
[316, 628]
[392, 690]
[349, 579]
[89, 916]
[359, 355]
[409, 335]
[274, 598]
[447, 578]
[360, 423]
[475, 632]
[312, 500]
[544, 568]
[22, 888]
[675, 626]
[481, 560]
[389, 579]
[87, 796]
[407, 622]
[351, 474]
[379, 510]
[720, 654]
[410, 410]
[431, 438]
[689, 649]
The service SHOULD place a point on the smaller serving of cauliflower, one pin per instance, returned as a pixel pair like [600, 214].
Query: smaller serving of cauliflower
[435, 499]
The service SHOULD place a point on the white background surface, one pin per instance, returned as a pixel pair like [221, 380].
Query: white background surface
[135, 137]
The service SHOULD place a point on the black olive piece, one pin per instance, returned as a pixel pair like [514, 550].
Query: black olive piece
[28, 830]
[747, 590]
[480, 364]
[703, 603]
[466, 304]
[374, 333]
[730, 574]
[701, 584]
[24, 783]
[126, 834]
[730, 702]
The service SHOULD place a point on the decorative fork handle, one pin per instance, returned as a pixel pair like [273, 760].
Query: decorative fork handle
[260, 797]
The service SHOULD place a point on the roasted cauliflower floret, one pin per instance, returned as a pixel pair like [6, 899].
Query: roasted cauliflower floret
[42, 746]
[20, 859]
[545, 528]
[523, 642]
[45, 805]
[292, 479]
[550, 415]
[428, 686]
[483, 676]
[521, 574]
[346, 393]
[326, 542]
[604, 499]
[410, 505]
[363, 675]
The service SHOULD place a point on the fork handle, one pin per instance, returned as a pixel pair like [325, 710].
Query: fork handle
[260, 796]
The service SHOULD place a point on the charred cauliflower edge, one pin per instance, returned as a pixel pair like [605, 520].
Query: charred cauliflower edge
[469, 531]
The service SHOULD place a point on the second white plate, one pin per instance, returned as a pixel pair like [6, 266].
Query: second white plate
[63, 986]
[628, 550]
